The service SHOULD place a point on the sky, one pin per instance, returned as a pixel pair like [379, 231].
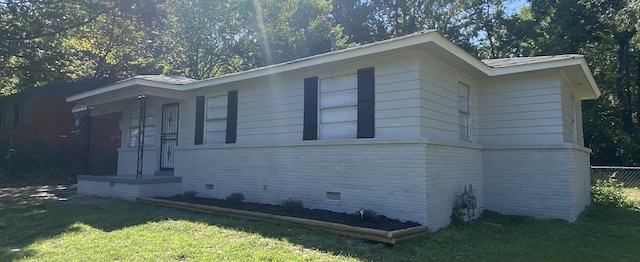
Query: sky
[515, 5]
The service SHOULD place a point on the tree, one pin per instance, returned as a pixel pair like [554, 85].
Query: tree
[200, 38]
[290, 29]
[50, 41]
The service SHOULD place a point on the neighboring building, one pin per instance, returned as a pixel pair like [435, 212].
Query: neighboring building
[38, 122]
[399, 126]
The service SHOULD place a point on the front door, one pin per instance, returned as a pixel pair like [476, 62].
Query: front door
[168, 136]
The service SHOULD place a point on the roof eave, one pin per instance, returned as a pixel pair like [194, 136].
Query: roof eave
[125, 84]
[577, 66]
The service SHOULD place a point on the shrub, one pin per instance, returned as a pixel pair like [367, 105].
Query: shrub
[235, 198]
[292, 205]
[457, 215]
[368, 215]
[189, 194]
[610, 193]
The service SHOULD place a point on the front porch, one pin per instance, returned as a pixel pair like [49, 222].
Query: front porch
[149, 117]
[129, 187]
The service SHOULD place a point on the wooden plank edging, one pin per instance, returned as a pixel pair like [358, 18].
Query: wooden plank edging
[389, 237]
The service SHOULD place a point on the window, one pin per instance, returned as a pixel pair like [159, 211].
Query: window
[216, 119]
[216, 115]
[149, 127]
[464, 92]
[345, 105]
[339, 107]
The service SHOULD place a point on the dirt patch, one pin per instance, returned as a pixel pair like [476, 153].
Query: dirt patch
[382, 222]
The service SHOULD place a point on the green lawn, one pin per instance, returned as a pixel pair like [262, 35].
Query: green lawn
[90, 229]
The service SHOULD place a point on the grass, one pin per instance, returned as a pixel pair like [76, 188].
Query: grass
[633, 194]
[91, 229]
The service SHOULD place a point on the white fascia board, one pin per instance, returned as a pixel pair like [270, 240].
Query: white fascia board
[556, 64]
[500, 71]
[125, 84]
[79, 109]
[463, 55]
[592, 81]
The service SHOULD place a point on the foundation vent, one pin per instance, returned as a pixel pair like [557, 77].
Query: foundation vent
[333, 195]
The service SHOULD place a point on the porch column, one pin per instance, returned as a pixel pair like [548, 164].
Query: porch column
[141, 127]
[87, 130]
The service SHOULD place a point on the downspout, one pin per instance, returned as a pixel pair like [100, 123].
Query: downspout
[141, 124]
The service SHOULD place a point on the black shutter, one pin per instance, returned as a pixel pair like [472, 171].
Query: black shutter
[232, 116]
[199, 135]
[310, 127]
[366, 103]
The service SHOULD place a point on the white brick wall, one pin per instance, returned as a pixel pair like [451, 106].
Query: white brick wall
[581, 171]
[451, 167]
[372, 174]
[127, 191]
[544, 181]
[409, 179]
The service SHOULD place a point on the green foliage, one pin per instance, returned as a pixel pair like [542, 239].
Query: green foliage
[367, 215]
[610, 193]
[292, 205]
[189, 194]
[235, 198]
[457, 215]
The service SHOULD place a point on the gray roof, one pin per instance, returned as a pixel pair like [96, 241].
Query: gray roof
[516, 61]
[69, 88]
[176, 80]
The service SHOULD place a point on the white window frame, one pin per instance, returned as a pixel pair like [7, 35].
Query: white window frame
[149, 128]
[338, 107]
[573, 120]
[215, 118]
[464, 111]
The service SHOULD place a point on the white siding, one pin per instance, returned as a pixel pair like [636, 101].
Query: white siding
[270, 110]
[571, 111]
[522, 109]
[439, 100]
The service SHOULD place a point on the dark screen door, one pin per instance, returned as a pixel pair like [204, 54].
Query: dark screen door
[168, 136]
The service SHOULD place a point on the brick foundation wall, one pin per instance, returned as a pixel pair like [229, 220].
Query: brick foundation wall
[548, 181]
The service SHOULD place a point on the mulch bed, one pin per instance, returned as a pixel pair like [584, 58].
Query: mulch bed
[382, 222]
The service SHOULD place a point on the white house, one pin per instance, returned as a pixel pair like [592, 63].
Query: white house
[399, 126]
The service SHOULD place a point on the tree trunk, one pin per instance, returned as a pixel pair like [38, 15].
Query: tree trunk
[623, 90]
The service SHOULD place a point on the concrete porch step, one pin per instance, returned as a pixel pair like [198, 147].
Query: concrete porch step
[163, 173]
